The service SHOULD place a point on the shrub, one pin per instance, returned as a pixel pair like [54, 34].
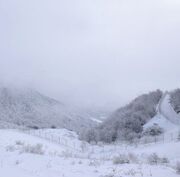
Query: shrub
[34, 149]
[133, 158]
[153, 159]
[88, 135]
[66, 154]
[178, 136]
[19, 143]
[33, 127]
[10, 148]
[121, 159]
[164, 160]
[53, 127]
[178, 167]
[154, 130]
[94, 163]
[109, 175]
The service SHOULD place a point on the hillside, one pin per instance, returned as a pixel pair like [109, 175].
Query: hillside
[29, 108]
[149, 116]
[127, 122]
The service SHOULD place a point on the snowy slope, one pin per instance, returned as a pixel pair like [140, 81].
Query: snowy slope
[167, 110]
[166, 117]
[60, 161]
[26, 107]
[162, 122]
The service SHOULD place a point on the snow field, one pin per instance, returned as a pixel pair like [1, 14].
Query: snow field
[58, 159]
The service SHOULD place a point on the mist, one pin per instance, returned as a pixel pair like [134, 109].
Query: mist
[90, 53]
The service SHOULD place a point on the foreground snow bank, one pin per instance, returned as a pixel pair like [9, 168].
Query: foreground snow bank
[58, 160]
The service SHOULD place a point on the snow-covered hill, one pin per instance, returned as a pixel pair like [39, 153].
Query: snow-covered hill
[29, 108]
[126, 123]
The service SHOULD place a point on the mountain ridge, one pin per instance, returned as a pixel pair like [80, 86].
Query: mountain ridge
[29, 108]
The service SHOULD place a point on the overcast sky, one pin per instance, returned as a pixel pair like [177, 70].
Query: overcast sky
[90, 52]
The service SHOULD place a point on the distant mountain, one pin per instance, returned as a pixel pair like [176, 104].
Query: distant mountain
[29, 108]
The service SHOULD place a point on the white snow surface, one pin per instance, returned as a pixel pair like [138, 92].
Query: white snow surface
[96, 120]
[162, 122]
[167, 110]
[72, 158]
[166, 117]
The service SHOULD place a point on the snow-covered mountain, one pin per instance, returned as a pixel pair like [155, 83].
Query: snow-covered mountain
[29, 108]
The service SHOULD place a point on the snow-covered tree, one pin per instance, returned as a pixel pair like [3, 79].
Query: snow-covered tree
[127, 122]
[154, 130]
[175, 100]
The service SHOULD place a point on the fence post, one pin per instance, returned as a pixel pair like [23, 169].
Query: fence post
[171, 137]
[163, 137]
[115, 146]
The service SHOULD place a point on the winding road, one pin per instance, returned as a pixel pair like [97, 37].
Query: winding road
[166, 110]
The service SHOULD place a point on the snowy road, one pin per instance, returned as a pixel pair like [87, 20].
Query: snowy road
[166, 110]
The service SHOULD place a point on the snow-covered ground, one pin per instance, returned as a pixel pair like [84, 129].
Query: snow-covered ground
[59, 152]
[38, 153]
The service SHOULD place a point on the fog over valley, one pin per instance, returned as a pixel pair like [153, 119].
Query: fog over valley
[90, 53]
